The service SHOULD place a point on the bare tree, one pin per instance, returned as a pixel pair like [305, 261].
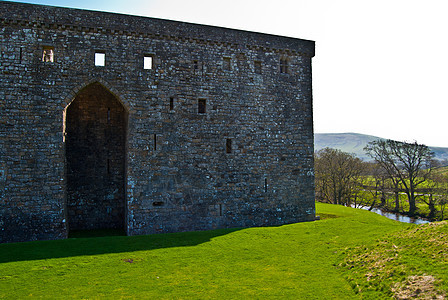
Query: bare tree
[410, 163]
[434, 189]
[337, 173]
[442, 200]
[374, 183]
[438, 194]
[358, 199]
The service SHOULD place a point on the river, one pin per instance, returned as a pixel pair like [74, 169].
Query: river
[397, 217]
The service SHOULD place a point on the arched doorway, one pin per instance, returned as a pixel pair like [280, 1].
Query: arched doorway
[95, 141]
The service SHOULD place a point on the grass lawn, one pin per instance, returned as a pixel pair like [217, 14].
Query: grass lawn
[297, 261]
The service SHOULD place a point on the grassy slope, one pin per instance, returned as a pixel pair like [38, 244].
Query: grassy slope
[293, 261]
[412, 264]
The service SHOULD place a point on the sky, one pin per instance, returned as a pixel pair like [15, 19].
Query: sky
[381, 66]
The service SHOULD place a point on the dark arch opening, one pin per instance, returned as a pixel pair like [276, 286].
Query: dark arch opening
[95, 141]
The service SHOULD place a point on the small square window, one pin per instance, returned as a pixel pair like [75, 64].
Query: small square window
[202, 106]
[100, 59]
[148, 62]
[48, 54]
[226, 63]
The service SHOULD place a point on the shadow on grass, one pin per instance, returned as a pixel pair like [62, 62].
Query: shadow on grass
[96, 233]
[104, 245]
[324, 216]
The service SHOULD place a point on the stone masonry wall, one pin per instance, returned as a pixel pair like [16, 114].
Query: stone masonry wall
[216, 132]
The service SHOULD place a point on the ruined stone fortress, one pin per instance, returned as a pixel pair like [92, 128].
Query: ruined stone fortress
[149, 125]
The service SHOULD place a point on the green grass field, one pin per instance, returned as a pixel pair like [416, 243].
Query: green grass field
[315, 260]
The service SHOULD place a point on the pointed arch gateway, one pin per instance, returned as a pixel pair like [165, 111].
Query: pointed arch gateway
[95, 149]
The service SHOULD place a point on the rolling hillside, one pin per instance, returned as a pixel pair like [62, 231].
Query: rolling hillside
[355, 143]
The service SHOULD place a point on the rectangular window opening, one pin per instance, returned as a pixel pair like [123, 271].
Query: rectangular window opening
[100, 59]
[228, 145]
[226, 63]
[171, 103]
[148, 62]
[257, 65]
[202, 106]
[21, 55]
[265, 185]
[47, 54]
[108, 115]
[220, 210]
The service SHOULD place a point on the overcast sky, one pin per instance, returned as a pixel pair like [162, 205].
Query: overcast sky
[381, 67]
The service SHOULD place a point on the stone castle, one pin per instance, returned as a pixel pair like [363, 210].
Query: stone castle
[149, 125]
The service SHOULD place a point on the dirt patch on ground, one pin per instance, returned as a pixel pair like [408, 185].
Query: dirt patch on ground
[417, 287]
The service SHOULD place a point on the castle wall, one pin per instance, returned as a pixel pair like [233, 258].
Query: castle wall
[218, 130]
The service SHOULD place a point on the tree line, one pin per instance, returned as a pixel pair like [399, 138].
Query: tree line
[399, 170]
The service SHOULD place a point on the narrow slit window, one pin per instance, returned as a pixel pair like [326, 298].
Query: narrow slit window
[21, 55]
[228, 145]
[108, 115]
[155, 142]
[220, 210]
[202, 103]
[171, 103]
[100, 59]
[195, 65]
[257, 66]
[148, 62]
[226, 63]
[47, 54]
[284, 65]
[265, 185]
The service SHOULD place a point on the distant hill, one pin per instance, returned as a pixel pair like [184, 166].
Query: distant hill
[355, 143]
